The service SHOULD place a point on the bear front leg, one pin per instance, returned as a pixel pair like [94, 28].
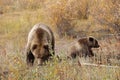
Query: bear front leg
[30, 58]
[91, 54]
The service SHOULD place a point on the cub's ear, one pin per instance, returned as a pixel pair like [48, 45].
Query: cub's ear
[91, 39]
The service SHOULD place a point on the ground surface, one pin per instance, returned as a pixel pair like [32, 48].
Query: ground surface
[14, 28]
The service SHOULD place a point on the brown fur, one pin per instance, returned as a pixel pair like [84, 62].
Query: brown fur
[40, 44]
[83, 47]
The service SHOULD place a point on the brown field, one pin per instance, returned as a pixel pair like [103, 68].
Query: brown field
[69, 20]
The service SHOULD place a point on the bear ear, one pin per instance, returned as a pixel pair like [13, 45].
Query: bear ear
[91, 39]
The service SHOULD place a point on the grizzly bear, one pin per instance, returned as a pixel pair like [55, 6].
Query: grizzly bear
[40, 44]
[83, 47]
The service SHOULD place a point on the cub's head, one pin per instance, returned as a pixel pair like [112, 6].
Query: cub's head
[40, 51]
[93, 43]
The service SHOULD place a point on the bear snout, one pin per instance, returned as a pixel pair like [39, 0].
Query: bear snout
[97, 46]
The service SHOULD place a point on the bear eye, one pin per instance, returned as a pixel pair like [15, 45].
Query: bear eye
[34, 47]
[45, 47]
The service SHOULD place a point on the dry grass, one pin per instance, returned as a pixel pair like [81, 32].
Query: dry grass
[16, 21]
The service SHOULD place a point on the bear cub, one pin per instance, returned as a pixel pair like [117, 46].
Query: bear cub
[83, 47]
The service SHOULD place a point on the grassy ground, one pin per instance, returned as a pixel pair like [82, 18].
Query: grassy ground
[14, 28]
